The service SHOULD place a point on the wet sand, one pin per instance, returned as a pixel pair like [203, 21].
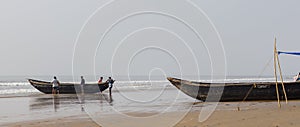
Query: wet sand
[253, 114]
[70, 111]
[72, 121]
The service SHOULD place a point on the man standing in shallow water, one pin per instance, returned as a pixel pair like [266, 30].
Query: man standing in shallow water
[110, 84]
[100, 80]
[82, 84]
[55, 86]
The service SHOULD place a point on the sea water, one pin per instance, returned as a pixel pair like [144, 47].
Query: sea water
[18, 85]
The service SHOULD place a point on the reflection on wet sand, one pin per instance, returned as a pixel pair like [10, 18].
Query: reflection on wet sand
[109, 99]
[55, 102]
[49, 101]
[81, 98]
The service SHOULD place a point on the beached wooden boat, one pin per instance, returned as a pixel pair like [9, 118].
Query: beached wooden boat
[67, 88]
[248, 91]
[243, 91]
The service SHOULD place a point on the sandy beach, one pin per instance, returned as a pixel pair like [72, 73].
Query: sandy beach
[149, 63]
[69, 111]
[253, 114]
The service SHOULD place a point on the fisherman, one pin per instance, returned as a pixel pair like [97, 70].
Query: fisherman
[55, 86]
[297, 77]
[110, 84]
[82, 84]
[100, 80]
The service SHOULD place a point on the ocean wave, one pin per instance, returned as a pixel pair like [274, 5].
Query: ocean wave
[18, 91]
[14, 84]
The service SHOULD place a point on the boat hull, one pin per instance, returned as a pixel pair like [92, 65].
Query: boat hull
[214, 92]
[68, 88]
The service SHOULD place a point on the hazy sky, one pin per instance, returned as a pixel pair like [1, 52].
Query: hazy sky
[38, 37]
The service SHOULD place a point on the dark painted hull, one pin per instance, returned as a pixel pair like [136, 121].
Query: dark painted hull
[67, 88]
[214, 92]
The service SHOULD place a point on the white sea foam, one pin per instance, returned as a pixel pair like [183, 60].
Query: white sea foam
[14, 83]
[18, 91]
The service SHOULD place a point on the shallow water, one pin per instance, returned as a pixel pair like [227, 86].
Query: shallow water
[46, 106]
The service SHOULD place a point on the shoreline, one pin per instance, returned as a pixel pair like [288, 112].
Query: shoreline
[252, 113]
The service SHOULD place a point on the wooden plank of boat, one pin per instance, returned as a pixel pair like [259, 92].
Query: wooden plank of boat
[235, 91]
[67, 88]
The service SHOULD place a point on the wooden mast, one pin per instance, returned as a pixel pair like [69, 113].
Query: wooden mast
[275, 73]
[281, 78]
[282, 84]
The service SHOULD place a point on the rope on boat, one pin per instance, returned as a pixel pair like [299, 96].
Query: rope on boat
[254, 85]
[276, 62]
[249, 91]
[265, 67]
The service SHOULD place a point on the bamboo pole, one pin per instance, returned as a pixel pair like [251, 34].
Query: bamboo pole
[275, 74]
[283, 88]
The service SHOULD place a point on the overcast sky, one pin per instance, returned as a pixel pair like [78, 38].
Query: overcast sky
[39, 37]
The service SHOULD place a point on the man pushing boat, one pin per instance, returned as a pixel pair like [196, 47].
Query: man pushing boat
[55, 85]
[110, 82]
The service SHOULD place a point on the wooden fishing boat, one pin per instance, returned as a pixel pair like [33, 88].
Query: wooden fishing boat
[243, 91]
[67, 88]
[251, 91]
